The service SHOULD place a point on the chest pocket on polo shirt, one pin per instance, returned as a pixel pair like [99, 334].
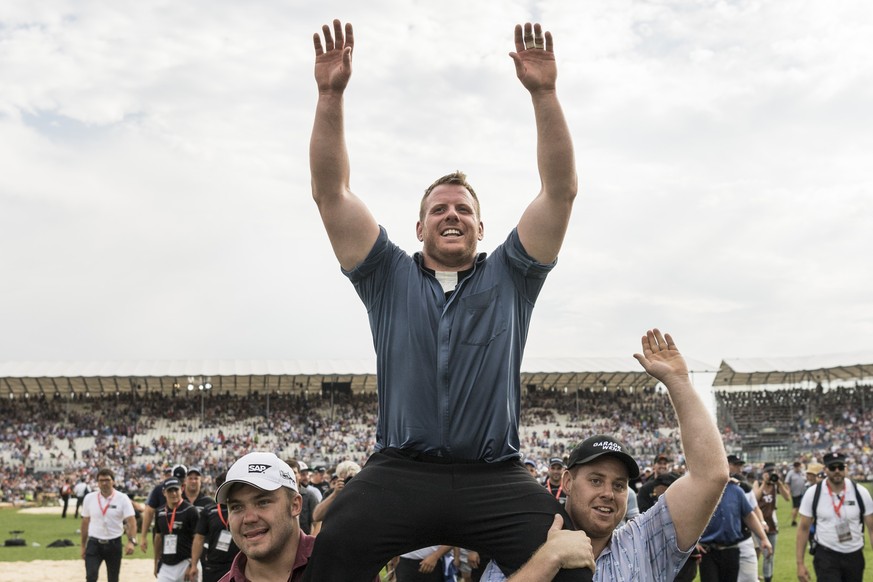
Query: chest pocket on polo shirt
[480, 318]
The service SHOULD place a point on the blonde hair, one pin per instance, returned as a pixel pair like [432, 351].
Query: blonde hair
[347, 469]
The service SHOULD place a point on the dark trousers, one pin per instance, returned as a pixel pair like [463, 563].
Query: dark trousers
[95, 553]
[837, 566]
[396, 505]
[66, 500]
[79, 501]
[407, 571]
[720, 565]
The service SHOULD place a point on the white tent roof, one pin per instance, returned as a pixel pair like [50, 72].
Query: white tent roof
[283, 376]
[856, 366]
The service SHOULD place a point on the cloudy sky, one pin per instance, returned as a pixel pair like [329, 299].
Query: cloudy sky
[154, 179]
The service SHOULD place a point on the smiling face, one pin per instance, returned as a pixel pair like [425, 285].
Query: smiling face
[597, 497]
[263, 523]
[555, 470]
[450, 228]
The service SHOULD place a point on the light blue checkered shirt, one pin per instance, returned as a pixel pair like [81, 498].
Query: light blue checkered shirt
[644, 549]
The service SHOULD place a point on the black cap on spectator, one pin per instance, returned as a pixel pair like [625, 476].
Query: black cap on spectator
[180, 472]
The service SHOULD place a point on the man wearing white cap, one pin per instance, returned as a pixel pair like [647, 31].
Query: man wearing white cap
[263, 508]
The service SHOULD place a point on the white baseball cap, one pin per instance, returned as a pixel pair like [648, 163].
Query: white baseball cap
[262, 470]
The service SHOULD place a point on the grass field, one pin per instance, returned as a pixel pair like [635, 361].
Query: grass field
[44, 528]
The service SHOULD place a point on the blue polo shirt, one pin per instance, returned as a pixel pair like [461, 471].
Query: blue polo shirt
[448, 368]
[726, 526]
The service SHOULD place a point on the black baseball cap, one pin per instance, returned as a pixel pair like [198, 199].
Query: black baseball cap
[556, 461]
[531, 462]
[180, 471]
[599, 445]
[172, 483]
[319, 468]
[831, 458]
[735, 460]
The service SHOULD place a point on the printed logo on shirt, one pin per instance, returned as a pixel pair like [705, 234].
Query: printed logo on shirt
[258, 468]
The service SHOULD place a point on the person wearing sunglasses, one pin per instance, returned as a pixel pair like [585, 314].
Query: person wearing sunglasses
[838, 508]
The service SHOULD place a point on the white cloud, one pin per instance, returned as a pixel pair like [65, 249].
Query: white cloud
[154, 198]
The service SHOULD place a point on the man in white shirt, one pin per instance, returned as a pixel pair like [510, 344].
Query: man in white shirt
[841, 506]
[106, 513]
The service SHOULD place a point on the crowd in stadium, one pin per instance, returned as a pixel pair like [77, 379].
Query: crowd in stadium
[43, 441]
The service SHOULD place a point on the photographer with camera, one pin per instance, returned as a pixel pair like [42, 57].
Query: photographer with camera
[766, 490]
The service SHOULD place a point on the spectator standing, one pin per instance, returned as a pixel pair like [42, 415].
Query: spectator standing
[80, 490]
[175, 524]
[106, 514]
[213, 534]
[796, 481]
[766, 491]
[156, 499]
[553, 482]
[65, 492]
[720, 541]
[839, 525]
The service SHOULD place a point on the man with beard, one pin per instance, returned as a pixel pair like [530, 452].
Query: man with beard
[837, 507]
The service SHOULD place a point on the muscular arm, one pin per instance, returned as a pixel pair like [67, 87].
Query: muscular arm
[693, 498]
[351, 228]
[544, 223]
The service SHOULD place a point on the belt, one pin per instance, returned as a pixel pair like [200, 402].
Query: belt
[716, 546]
[99, 541]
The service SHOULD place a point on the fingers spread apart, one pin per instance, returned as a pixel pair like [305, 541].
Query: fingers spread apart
[336, 40]
[531, 37]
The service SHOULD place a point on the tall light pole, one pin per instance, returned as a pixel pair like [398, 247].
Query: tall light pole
[203, 387]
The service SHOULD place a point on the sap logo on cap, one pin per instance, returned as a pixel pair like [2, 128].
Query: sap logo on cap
[256, 468]
[608, 445]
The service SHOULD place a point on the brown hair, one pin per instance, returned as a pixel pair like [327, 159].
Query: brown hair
[107, 472]
[457, 177]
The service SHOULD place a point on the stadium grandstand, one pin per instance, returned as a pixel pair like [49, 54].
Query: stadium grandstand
[62, 420]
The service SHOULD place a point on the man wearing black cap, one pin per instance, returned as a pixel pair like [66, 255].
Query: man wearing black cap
[156, 499]
[653, 546]
[837, 509]
[175, 524]
[645, 496]
[553, 482]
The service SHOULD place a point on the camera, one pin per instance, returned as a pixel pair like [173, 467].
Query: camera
[774, 477]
